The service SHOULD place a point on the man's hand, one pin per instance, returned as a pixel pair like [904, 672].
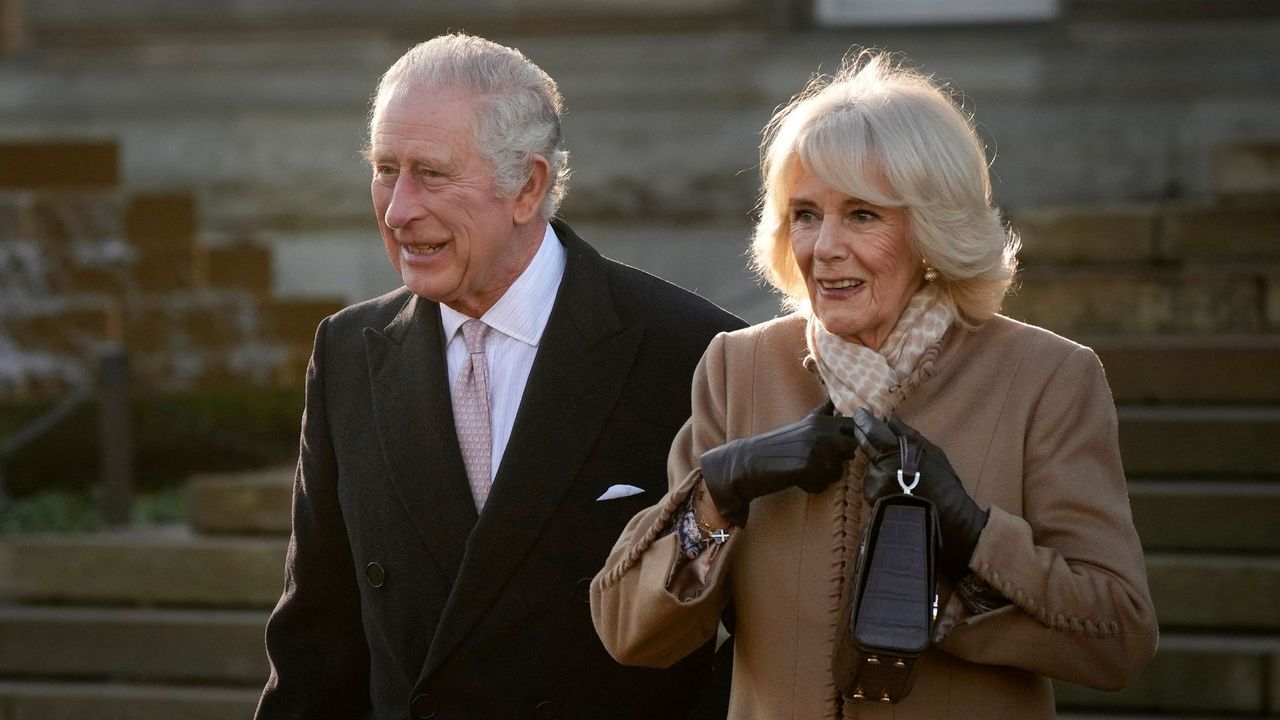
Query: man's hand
[961, 518]
[808, 453]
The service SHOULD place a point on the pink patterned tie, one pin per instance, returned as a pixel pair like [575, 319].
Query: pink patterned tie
[471, 412]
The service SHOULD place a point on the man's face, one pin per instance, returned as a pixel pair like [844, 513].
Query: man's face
[446, 232]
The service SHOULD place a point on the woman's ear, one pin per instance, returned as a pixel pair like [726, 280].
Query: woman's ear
[529, 199]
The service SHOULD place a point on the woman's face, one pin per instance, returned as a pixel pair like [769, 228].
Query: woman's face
[858, 265]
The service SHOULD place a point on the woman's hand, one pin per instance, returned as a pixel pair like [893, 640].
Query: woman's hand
[808, 453]
[960, 517]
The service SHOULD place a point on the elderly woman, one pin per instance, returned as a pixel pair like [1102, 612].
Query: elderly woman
[877, 223]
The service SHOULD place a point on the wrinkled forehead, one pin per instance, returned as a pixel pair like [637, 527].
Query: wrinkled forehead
[406, 98]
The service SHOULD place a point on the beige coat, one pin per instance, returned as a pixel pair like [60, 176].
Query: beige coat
[1027, 420]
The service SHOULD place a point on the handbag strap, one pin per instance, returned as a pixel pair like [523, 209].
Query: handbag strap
[909, 451]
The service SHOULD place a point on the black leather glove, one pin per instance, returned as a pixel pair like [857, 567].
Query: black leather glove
[808, 453]
[960, 517]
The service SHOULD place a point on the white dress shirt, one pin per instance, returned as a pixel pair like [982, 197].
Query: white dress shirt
[517, 319]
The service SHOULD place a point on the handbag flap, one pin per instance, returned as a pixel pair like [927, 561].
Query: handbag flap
[894, 612]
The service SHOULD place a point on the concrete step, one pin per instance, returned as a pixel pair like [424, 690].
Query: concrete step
[1219, 233]
[159, 568]
[134, 644]
[1207, 515]
[241, 503]
[1210, 441]
[1149, 233]
[1247, 172]
[42, 700]
[1116, 300]
[1191, 369]
[1215, 593]
[1210, 675]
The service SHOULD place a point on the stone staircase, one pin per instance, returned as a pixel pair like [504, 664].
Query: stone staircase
[1180, 301]
[168, 623]
[147, 625]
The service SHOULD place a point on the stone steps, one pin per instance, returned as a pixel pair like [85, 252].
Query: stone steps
[1194, 440]
[241, 503]
[1165, 232]
[1217, 298]
[1215, 674]
[1218, 672]
[134, 645]
[1191, 369]
[1247, 172]
[1223, 593]
[168, 568]
[119, 701]
[1206, 515]
[1191, 590]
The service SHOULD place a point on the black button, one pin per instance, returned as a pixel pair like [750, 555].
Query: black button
[423, 707]
[546, 710]
[374, 573]
[582, 590]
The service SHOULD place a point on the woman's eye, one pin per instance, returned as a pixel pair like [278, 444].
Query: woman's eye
[800, 216]
[864, 215]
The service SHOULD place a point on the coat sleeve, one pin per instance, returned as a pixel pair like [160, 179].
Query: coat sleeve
[638, 619]
[315, 642]
[1071, 562]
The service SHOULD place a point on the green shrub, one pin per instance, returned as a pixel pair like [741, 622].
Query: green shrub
[174, 436]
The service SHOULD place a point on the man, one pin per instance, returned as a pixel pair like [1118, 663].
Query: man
[474, 442]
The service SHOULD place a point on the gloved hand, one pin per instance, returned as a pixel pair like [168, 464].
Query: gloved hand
[960, 518]
[808, 453]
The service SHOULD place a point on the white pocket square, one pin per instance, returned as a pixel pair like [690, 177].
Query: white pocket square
[620, 491]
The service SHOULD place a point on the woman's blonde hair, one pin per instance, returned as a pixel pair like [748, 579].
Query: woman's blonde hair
[891, 136]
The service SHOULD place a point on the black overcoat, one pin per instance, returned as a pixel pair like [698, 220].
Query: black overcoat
[399, 601]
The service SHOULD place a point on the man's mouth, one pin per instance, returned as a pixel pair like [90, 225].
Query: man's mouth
[422, 249]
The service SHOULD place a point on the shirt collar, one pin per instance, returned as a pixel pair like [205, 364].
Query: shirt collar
[523, 310]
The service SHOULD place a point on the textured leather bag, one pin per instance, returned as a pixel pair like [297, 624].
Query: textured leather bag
[890, 601]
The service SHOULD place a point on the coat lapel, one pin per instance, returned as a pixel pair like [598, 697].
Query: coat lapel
[583, 359]
[415, 425]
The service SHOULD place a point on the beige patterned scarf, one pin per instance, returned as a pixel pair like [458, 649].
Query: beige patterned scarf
[857, 376]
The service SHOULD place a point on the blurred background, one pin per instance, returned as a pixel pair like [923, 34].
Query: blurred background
[182, 200]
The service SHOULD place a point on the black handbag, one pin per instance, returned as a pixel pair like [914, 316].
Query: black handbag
[889, 603]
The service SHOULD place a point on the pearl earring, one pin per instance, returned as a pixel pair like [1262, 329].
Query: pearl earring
[930, 272]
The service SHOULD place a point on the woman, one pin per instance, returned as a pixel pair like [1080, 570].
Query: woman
[877, 224]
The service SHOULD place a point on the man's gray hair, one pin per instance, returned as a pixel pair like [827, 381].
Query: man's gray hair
[518, 106]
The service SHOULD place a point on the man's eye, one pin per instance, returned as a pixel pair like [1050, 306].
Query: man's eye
[384, 170]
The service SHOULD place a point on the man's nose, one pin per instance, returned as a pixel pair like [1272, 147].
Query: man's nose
[406, 203]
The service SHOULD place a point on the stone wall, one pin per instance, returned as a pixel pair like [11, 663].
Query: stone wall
[86, 266]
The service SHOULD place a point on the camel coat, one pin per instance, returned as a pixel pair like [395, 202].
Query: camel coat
[1026, 419]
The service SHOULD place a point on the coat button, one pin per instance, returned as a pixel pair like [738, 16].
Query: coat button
[546, 710]
[374, 573]
[582, 590]
[423, 707]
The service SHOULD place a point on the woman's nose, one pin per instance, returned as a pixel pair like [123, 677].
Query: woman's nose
[831, 242]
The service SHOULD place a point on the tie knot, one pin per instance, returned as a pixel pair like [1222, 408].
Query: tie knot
[473, 332]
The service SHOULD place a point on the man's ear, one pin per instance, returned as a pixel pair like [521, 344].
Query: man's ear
[529, 199]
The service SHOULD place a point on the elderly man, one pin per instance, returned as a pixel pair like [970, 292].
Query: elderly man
[475, 441]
